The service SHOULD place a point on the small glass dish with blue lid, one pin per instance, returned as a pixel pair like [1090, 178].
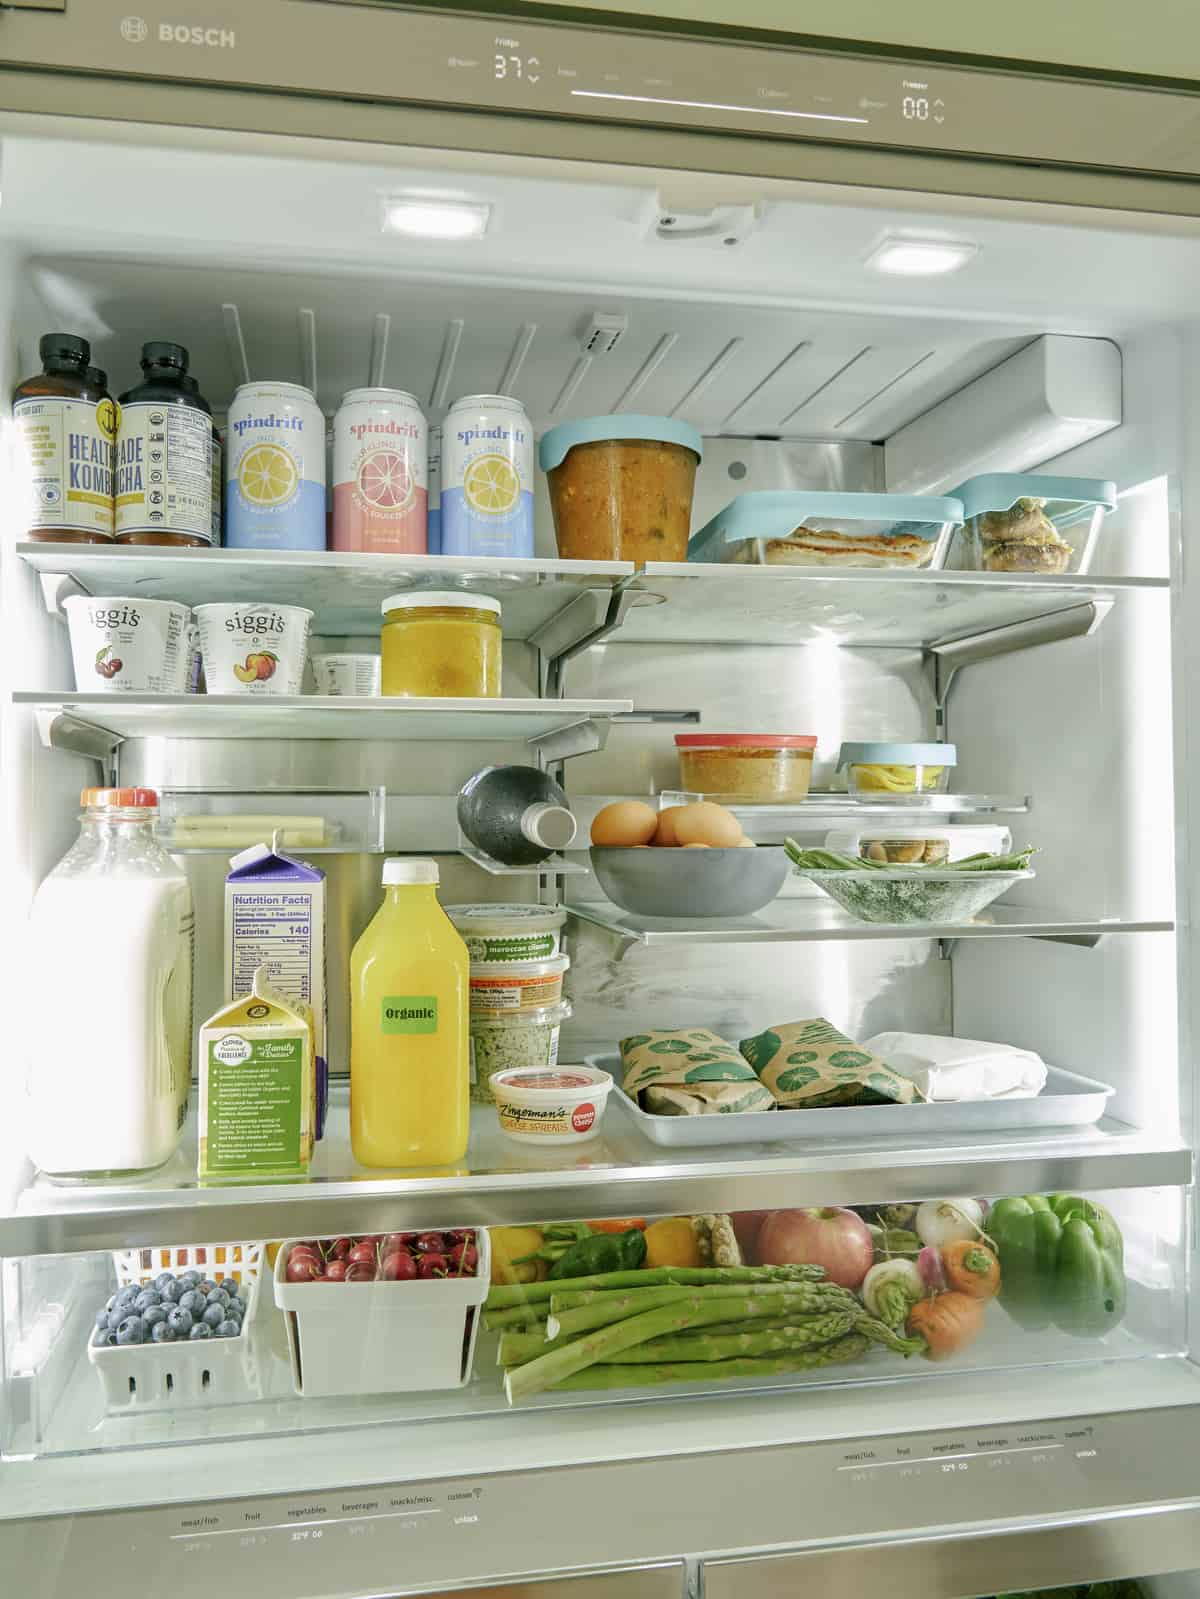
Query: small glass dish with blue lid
[1031, 522]
[789, 527]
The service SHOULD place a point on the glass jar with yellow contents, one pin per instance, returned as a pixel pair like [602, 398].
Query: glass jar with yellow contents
[441, 644]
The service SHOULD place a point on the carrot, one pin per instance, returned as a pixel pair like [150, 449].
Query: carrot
[947, 1322]
[625, 1225]
[971, 1269]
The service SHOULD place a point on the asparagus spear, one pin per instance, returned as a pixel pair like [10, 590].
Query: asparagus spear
[612, 1376]
[519, 1344]
[703, 1347]
[805, 1298]
[504, 1295]
[600, 1343]
[513, 1316]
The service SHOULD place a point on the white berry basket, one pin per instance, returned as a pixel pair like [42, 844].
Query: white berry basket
[383, 1337]
[184, 1375]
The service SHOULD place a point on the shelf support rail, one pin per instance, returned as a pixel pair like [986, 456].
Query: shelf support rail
[588, 619]
[59, 730]
[950, 656]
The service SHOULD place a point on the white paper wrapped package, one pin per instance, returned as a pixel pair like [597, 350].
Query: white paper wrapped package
[961, 1068]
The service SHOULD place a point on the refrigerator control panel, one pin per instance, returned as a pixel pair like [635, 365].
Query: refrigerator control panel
[392, 54]
[416, 1537]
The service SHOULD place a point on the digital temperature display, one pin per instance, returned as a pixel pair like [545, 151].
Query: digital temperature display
[511, 64]
[915, 108]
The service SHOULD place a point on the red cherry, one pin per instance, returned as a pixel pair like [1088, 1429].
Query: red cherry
[398, 1267]
[465, 1258]
[303, 1269]
[335, 1272]
[430, 1244]
[433, 1266]
[395, 1241]
[362, 1254]
[340, 1248]
[371, 1238]
[359, 1272]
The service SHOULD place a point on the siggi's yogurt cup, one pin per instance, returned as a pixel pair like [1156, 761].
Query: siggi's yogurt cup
[128, 646]
[254, 648]
[347, 675]
[551, 1104]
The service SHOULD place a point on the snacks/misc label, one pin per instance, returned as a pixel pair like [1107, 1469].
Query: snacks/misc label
[66, 453]
[164, 470]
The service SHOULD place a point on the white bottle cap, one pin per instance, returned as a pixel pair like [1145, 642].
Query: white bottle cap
[550, 826]
[410, 871]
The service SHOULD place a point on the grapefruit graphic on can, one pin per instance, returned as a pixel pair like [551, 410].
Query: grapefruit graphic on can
[380, 473]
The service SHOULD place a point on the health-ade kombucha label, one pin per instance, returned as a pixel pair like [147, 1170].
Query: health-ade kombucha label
[66, 449]
[164, 470]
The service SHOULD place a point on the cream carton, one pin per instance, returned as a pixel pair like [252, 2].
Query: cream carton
[275, 917]
[257, 1086]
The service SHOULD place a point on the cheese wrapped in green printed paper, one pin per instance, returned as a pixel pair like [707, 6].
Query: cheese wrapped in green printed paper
[809, 1065]
[689, 1072]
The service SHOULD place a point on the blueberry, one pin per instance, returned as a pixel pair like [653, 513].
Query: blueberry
[148, 1297]
[154, 1314]
[188, 1279]
[219, 1297]
[194, 1301]
[172, 1293]
[237, 1308]
[228, 1284]
[200, 1330]
[127, 1296]
[132, 1331]
[228, 1329]
[103, 1339]
[163, 1278]
[162, 1333]
[111, 1302]
[179, 1321]
[206, 1287]
[102, 1319]
[117, 1316]
[213, 1316]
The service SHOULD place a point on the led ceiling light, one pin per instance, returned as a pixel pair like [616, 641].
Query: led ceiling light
[417, 218]
[920, 258]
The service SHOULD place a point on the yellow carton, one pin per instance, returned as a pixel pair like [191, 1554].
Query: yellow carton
[257, 1086]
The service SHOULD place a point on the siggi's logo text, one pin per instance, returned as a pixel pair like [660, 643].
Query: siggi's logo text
[211, 38]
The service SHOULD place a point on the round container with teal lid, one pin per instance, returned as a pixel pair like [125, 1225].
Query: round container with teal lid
[880, 769]
[621, 487]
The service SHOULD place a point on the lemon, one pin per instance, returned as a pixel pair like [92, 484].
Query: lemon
[491, 486]
[267, 475]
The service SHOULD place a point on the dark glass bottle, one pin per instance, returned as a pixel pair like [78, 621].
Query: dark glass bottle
[517, 815]
[66, 426]
[164, 455]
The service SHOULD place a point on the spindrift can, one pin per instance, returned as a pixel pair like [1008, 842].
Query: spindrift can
[380, 473]
[487, 477]
[274, 469]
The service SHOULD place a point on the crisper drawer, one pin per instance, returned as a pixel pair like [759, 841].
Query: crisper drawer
[651, 1582]
[1123, 1544]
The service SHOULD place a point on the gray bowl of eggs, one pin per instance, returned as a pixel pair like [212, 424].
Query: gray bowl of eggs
[686, 861]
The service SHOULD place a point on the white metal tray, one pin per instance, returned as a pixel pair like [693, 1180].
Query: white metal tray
[1066, 1101]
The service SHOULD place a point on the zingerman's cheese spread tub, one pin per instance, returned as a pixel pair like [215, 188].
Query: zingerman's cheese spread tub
[551, 1105]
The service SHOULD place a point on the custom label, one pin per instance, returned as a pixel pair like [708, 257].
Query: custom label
[254, 1110]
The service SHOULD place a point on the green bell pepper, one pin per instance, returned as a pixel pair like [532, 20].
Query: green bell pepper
[1061, 1263]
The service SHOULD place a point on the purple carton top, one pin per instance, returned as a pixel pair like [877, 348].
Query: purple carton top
[261, 861]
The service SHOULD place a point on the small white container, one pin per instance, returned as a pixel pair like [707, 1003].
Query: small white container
[349, 676]
[185, 1375]
[128, 646]
[516, 988]
[382, 1337]
[546, 1106]
[508, 932]
[253, 649]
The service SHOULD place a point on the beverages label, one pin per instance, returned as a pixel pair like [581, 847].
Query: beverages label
[487, 483]
[380, 477]
[164, 469]
[66, 460]
[274, 472]
[409, 1013]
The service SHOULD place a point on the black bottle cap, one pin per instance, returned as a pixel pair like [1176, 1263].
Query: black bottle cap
[157, 353]
[96, 377]
[64, 347]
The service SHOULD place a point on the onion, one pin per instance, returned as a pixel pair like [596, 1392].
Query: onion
[946, 1221]
[929, 1264]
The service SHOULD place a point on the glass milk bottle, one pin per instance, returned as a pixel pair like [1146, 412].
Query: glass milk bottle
[108, 996]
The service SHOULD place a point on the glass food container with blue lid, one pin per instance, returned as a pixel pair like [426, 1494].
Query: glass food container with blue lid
[1031, 522]
[878, 770]
[787, 527]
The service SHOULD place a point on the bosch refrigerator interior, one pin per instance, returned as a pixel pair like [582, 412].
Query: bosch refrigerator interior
[684, 228]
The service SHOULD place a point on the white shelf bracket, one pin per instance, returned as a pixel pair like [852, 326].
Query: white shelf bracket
[58, 730]
[57, 587]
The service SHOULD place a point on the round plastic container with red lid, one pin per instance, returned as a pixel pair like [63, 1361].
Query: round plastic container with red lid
[747, 768]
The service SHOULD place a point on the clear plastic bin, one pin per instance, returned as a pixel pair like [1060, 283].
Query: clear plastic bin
[787, 528]
[621, 487]
[752, 768]
[879, 770]
[1027, 522]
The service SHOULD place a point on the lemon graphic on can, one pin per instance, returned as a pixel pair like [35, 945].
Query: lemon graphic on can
[491, 486]
[267, 475]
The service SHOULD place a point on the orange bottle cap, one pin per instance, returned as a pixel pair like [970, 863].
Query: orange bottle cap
[118, 796]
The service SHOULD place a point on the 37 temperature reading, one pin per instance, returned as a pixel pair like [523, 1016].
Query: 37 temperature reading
[915, 107]
[526, 69]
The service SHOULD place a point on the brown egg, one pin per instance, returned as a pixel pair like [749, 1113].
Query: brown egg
[697, 846]
[624, 824]
[747, 843]
[706, 823]
[665, 836]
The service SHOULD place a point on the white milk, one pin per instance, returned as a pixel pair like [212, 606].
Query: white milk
[108, 996]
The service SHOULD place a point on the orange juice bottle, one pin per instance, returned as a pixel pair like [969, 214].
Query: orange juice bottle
[409, 997]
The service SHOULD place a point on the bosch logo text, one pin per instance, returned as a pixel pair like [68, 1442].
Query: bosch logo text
[181, 33]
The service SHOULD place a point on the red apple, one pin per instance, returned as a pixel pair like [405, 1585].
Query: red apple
[836, 1239]
[335, 1271]
[398, 1267]
[747, 1224]
[359, 1272]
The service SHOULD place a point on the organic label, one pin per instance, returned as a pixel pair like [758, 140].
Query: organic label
[409, 1013]
[254, 1109]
